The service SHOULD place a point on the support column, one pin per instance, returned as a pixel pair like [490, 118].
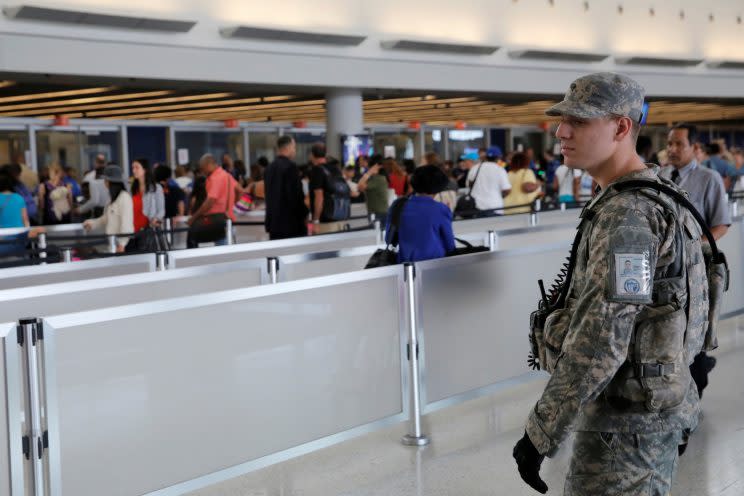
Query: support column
[345, 115]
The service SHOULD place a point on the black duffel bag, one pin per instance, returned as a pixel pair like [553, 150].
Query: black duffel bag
[383, 257]
[466, 249]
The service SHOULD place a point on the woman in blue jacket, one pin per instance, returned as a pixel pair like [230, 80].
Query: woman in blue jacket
[425, 229]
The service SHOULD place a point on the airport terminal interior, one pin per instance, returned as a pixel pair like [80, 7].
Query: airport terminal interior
[292, 248]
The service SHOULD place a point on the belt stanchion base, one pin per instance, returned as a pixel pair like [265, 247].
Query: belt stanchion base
[415, 437]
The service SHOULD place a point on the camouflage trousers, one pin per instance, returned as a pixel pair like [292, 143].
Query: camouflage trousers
[618, 464]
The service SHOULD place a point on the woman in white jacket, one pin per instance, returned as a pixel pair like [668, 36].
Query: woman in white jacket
[118, 216]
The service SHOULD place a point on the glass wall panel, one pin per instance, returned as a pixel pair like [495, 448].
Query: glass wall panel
[434, 142]
[197, 143]
[465, 141]
[262, 144]
[305, 141]
[404, 143]
[95, 142]
[13, 147]
[60, 147]
[76, 149]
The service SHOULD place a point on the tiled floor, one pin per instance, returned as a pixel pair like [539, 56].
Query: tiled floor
[470, 453]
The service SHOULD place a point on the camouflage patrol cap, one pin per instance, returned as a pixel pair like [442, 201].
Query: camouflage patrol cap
[602, 94]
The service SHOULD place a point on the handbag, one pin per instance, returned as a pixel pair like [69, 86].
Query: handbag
[466, 249]
[148, 240]
[466, 206]
[383, 257]
[211, 227]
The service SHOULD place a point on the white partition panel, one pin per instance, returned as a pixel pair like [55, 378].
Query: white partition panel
[308, 244]
[474, 316]
[15, 471]
[5, 450]
[21, 277]
[552, 218]
[732, 244]
[303, 266]
[56, 299]
[156, 395]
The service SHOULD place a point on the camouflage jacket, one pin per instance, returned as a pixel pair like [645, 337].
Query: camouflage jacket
[604, 308]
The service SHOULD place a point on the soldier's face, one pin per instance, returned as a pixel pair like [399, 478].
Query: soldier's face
[679, 149]
[586, 143]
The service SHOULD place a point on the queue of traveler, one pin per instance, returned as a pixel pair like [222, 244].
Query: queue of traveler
[313, 198]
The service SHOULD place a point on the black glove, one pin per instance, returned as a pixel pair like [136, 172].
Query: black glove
[529, 461]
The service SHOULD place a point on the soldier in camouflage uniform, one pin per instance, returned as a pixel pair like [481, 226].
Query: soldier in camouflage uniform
[625, 338]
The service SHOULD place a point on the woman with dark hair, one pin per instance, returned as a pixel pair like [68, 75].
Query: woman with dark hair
[15, 171]
[425, 227]
[118, 216]
[147, 197]
[524, 184]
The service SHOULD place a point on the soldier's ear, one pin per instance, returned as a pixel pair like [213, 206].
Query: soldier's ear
[624, 128]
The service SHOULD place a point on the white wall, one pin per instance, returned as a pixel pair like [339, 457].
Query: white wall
[203, 55]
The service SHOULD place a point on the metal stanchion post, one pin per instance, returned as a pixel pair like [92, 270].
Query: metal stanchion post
[563, 207]
[372, 217]
[112, 244]
[66, 255]
[41, 242]
[493, 241]
[735, 208]
[169, 231]
[538, 205]
[380, 232]
[161, 261]
[533, 219]
[29, 335]
[273, 270]
[229, 232]
[416, 437]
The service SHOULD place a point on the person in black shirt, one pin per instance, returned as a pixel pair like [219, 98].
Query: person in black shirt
[320, 175]
[175, 198]
[286, 213]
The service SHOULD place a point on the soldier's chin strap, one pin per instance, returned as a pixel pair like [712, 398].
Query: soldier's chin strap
[718, 257]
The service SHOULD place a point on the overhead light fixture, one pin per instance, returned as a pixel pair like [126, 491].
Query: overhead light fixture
[55, 94]
[658, 61]
[558, 55]
[265, 34]
[45, 14]
[726, 64]
[430, 46]
[76, 101]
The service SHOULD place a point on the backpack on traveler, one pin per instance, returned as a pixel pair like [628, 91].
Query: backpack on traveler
[337, 197]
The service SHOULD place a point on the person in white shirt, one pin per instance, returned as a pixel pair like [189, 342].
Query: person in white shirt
[118, 216]
[490, 185]
[567, 183]
[98, 194]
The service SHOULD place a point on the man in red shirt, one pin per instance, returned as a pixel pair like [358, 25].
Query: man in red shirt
[223, 191]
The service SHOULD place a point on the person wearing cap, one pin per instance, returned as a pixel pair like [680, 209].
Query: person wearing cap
[118, 216]
[620, 343]
[425, 229]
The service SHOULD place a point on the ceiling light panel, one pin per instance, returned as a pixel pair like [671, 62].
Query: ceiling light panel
[284, 35]
[438, 47]
[45, 14]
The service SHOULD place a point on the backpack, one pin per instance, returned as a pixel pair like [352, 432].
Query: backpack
[336, 197]
[661, 383]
